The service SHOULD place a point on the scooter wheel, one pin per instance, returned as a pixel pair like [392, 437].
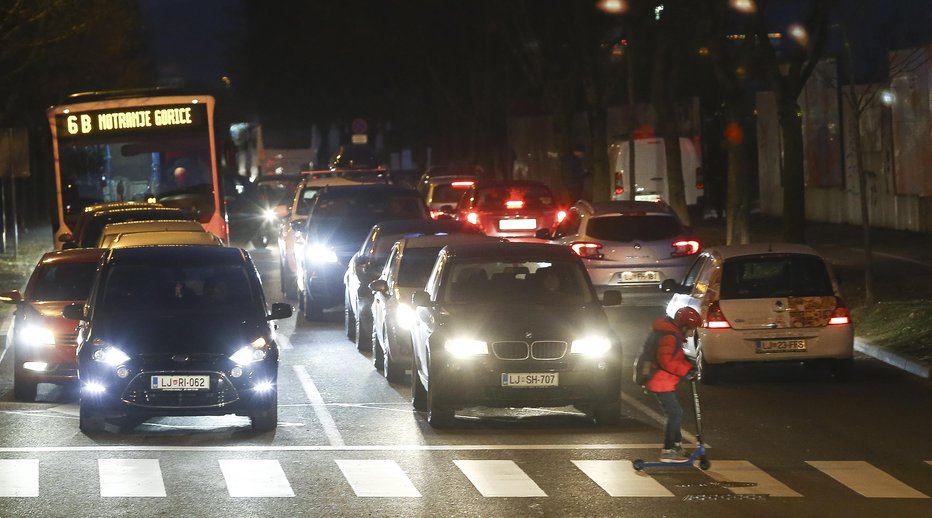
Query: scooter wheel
[704, 463]
[638, 465]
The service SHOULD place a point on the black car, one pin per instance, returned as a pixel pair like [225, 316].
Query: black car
[337, 224]
[176, 330]
[513, 325]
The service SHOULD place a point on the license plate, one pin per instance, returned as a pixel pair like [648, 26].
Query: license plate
[531, 380]
[517, 224]
[180, 382]
[781, 346]
[639, 276]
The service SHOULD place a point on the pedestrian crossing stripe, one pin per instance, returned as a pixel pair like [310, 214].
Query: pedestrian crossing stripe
[250, 478]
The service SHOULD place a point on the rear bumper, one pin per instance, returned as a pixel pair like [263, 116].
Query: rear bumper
[730, 345]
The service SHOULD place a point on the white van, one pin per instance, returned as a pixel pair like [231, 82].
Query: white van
[650, 171]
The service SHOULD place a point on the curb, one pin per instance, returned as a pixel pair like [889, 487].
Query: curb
[893, 358]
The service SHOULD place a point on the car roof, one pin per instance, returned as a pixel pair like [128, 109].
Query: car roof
[511, 250]
[434, 241]
[177, 254]
[165, 237]
[481, 183]
[150, 225]
[329, 180]
[620, 206]
[120, 204]
[730, 251]
[73, 255]
[364, 188]
[403, 226]
[140, 208]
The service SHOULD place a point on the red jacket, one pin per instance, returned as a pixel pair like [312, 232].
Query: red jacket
[670, 358]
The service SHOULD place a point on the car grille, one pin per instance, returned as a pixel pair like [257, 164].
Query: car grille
[139, 393]
[541, 350]
[67, 339]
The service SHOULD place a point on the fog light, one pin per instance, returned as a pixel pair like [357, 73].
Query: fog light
[35, 366]
[122, 372]
[264, 387]
[94, 388]
[236, 371]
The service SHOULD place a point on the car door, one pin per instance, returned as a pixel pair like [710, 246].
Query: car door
[426, 318]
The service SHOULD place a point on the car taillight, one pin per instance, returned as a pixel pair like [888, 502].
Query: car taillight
[684, 247]
[561, 215]
[715, 318]
[587, 250]
[619, 190]
[514, 204]
[436, 213]
[462, 184]
[473, 218]
[840, 316]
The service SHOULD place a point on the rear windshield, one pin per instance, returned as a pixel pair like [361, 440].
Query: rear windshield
[772, 276]
[198, 288]
[416, 265]
[523, 282]
[64, 281]
[446, 193]
[372, 206]
[532, 196]
[643, 227]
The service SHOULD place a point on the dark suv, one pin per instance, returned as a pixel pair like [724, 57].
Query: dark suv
[176, 330]
[338, 222]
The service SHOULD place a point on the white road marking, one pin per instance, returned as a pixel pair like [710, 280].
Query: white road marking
[255, 478]
[377, 478]
[390, 447]
[659, 418]
[499, 478]
[320, 408]
[618, 478]
[130, 477]
[865, 479]
[19, 477]
[284, 343]
[744, 471]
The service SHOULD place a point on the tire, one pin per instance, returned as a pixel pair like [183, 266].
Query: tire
[261, 240]
[90, 420]
[363, 336]
[394, 371]
[842, 369]
[349, 319]
[378, 354]
[24, 390]
[708, 374]
[418, 393]
[266, 420]
[607, 414]
[704, 463]
[312, 311]
[439, 415]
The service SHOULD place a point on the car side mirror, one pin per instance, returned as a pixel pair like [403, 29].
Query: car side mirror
[74, 311]
[420, 298]
[11, 297]
[611, 298]
[280, 310]
[379, 285]
[543, 233]
[670, 285]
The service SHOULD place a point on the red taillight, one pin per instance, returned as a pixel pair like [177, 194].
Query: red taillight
[462, 184]
[700, 185]
[715, 318]
[473, 218]
[561, 215]
[587, 250]
[436, 213]
[840, 316]
[619, 190]
[514, 204]
[684, 247]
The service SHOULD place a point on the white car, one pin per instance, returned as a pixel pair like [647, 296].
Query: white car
[406, 270]
[112, 230]
[764, 303]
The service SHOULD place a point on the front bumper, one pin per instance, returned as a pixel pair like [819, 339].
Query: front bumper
[60, 363]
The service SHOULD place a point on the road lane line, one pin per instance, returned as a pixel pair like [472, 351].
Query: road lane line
[659, 418]
[320, 408]
[378, 447]
[865, 479]
[130, 478]
[255, 478]
[377, 478]
[618, 478]
[744, 471]
[499, 478]
[19, 477]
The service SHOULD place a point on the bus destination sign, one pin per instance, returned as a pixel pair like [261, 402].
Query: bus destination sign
[142, 119]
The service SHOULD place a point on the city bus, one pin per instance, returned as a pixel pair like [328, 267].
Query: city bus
[136, 146]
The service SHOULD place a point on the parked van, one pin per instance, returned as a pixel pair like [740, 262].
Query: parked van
[650, 171]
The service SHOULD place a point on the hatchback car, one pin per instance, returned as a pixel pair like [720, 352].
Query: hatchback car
[337, 224]
[404, 272]
[43, 340]
[765, 303]
[443, 193]
[632, 246]
[513, 325]
[176, 330]
[366, 265]
[510, 209]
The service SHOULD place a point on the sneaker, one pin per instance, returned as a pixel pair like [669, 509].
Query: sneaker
[672, 455]
[679, 450]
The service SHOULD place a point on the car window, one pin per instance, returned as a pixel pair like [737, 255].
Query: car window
[276, 191]
[390, 268]
[304, 200]
[64, 281]
[768, 276]
[531, 196]
[200, 288]
[416, 266]
[646, 227]
[446, 193]
[693, 272]
[569, 225]
[536, 282]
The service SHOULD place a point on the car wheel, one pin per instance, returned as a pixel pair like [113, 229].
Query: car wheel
[394, 371]
[607, 414]
[312, 311]
[708, 373]
[261, 240]
[24, 390]
[90, 420]
[378, 354]
[363, 336]
[267, 419]
[349, 319]
[439, 415]
[418, 393]
[842, 369]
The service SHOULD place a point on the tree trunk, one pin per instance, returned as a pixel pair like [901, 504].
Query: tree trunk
[794, 181]
[600, 186]
[865, 212]
[737, 210]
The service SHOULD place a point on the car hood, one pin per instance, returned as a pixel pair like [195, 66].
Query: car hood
[174, 333]
[495, 322]
[49, 314]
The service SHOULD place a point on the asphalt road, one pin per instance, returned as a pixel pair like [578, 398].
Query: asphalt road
[783, 441]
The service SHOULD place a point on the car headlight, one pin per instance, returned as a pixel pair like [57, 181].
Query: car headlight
[463, 347]
[405, 316]
[256, 351]
[110, 355]
[321, 254]
[37, 335]
[591, 346]
[269, 215]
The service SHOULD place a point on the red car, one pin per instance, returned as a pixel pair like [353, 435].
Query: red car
[44, 342]
[510, 209]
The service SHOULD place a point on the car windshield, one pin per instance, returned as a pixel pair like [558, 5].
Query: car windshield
[517, 282]
[514, 197]
[64, 281]
[416, 265]
[447, 193]
[772, 276]
[198, 288]
[645, 227]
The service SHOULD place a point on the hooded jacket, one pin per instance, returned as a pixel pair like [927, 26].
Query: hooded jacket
[671, 359]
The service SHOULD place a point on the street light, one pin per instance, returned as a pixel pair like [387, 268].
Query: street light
[613, 6]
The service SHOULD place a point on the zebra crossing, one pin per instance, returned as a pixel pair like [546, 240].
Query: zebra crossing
[495, 478]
